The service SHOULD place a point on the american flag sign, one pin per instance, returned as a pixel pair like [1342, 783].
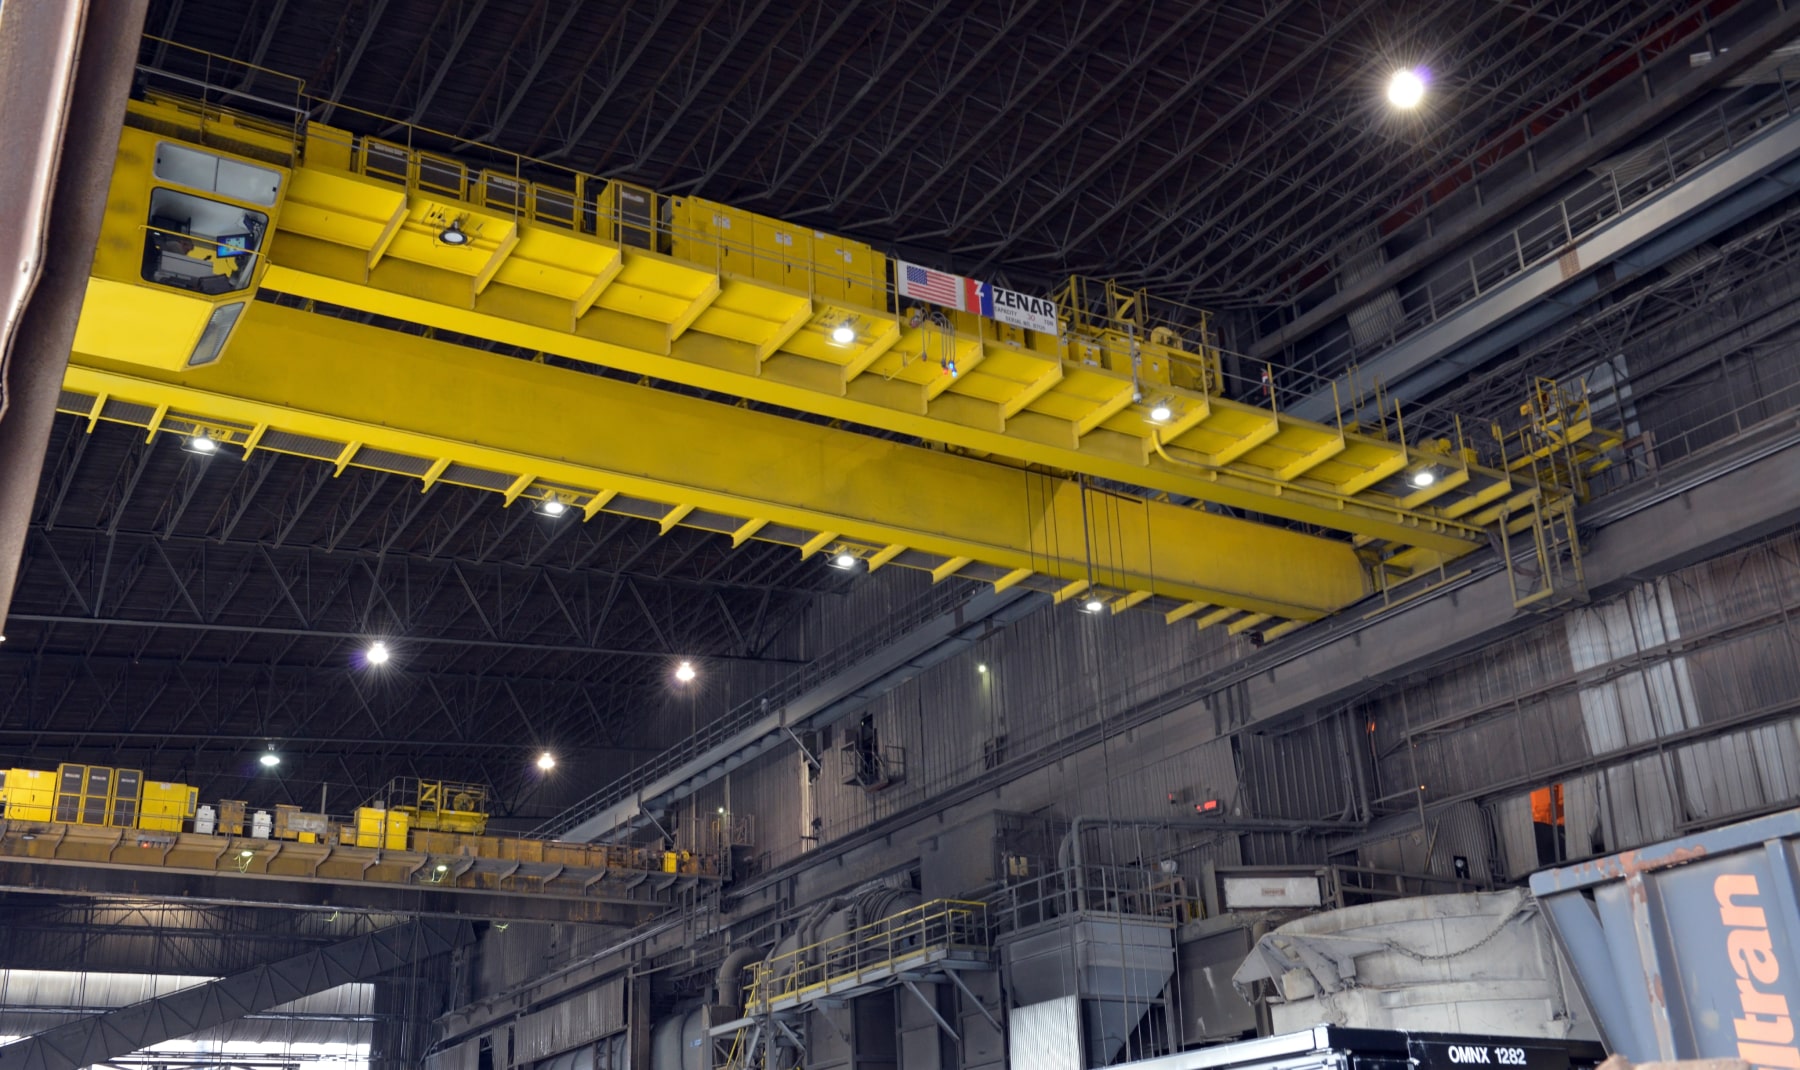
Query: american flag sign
[938, 287]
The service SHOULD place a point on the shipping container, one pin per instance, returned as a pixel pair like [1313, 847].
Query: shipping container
[1687, 950]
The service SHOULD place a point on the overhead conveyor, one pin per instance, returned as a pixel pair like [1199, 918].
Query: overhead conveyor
[1009, 432]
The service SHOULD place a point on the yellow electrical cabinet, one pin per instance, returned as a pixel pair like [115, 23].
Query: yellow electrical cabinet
[28, 794]
[376, 827]
[397, 827]
[127, 795]
[371, 826]
[165, 806]
[84, 794]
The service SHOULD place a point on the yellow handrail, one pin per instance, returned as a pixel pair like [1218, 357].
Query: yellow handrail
[937, 926]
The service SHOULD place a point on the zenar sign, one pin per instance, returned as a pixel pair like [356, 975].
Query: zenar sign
[1765, 1029]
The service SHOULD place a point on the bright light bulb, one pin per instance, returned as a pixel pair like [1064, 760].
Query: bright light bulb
[554, 508]
[981, 669]
[846, 561]
[685, 672]
[843, 334]
[202, 444]
[246, 854]
[1424, 477]
[1161, 414]
[1406, 89]
[378, 653]
[546, 761]
[270, 759]
[442, 868]
[1094, 605]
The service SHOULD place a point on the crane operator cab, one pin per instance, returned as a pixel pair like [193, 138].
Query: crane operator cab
[181, 251]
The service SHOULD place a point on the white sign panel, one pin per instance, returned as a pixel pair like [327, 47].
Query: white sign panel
[1019, 310]
[1242, 892]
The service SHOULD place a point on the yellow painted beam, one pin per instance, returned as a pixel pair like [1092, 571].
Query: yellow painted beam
[1011, 579]
[674, 516]
[1307, 462]
[816, 543]
[306, 267]
[1130, 600]
[884, 555]
[1216, 617]
[1245, 623]
[1183, 611]
[949, 568]
[340, 381]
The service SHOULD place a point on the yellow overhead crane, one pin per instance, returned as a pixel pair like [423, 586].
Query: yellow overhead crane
[208, 206]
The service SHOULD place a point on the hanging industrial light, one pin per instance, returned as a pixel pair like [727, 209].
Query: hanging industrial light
[454, 234]
[1406, 88]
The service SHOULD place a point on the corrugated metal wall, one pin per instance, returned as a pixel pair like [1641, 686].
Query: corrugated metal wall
[1663, 709]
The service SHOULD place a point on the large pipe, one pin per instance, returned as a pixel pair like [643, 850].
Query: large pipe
[64, 80]
[730, 977]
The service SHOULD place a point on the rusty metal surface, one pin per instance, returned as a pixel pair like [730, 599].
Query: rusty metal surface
[63, 83]
[1689, 949]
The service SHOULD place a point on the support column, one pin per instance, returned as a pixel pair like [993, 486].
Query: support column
[61, 127]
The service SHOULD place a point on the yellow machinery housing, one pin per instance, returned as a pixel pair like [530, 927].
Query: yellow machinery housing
[167, 807]
[376, 827]
[28, 794]
[438, 805]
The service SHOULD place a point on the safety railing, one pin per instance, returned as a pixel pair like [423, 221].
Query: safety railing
[876, 951]
[938, 601]
[1135, 891]
[1551, 232]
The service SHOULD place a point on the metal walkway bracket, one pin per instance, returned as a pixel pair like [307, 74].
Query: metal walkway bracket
[1559, 447]
[103, 1038]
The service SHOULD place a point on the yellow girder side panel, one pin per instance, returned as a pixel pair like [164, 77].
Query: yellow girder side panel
[159, 328]
[603, 445]
[903, 389]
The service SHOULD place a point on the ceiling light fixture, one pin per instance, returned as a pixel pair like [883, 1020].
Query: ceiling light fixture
[442, 868]
[685, 672]
[1093, 605]
[1406, 89]
[378, 653]
[552, 507]
[453, 234]
[546, 761]
[982, 668]
[200, 442]
[844, 560]
[1161, 413]
[269, 759]
[843, 334]
[1424, 477]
